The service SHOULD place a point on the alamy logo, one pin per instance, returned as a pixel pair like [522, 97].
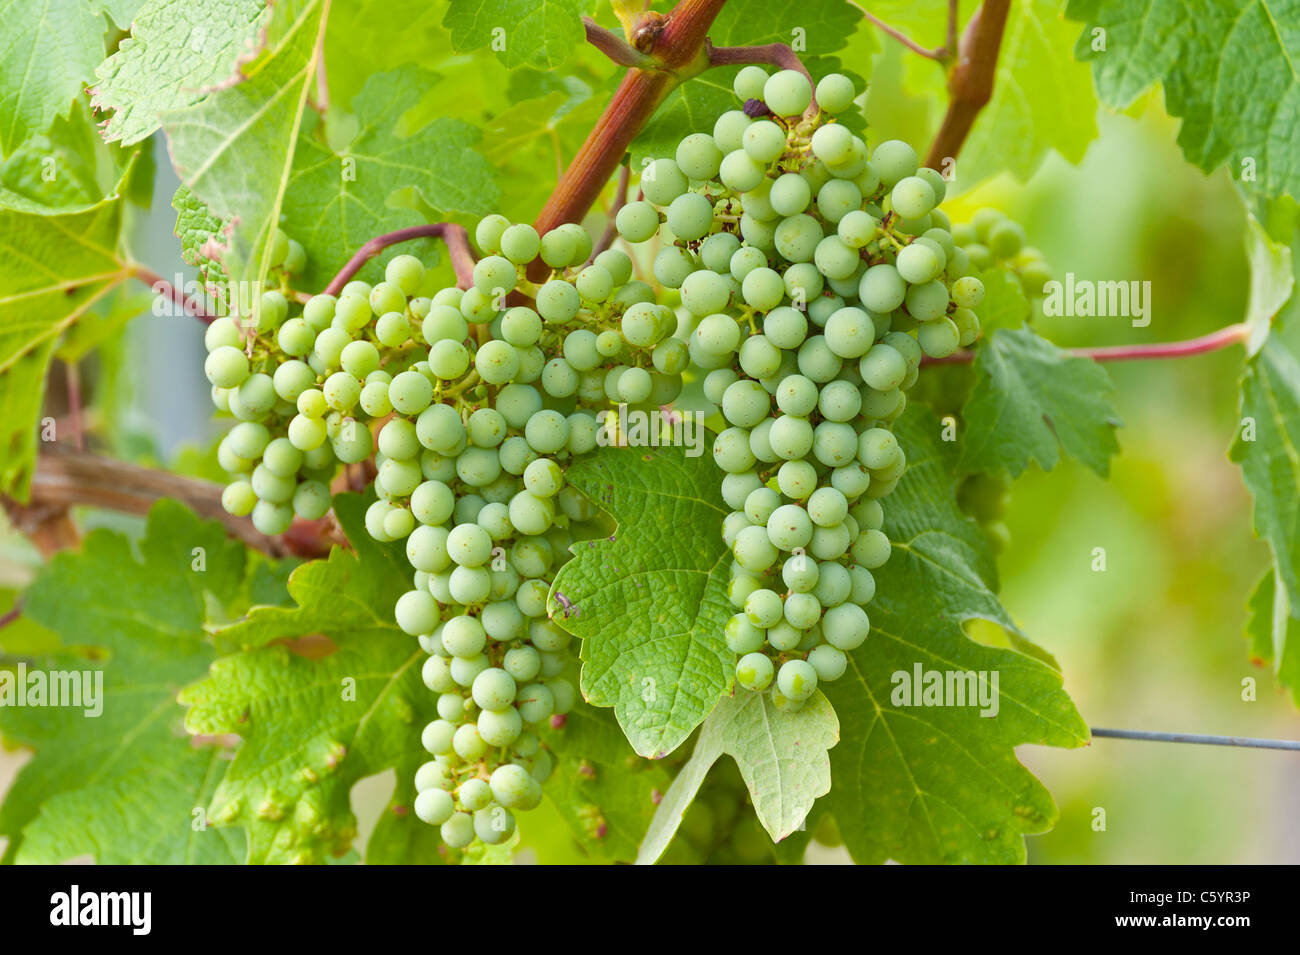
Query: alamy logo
[652, 429]
[922, 687]
[75, 907]
[1084, 298]
[79, 688]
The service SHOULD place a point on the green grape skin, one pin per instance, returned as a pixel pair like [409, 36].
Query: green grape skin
[226, 367]
[787, 92]
[894, 160]
[832, 144]
[846, 626]
[790, 194]
[796, 238]
[828, 663]
[239, 498]
[637, 221]
[433, 806]
[754, 671]
[835, 93]
[912, 197]
[763, 141]
[749, 82]
[785, 327]
[698, 156]
[690, 216]
[939, 339]
[729, 130]
[927, 302]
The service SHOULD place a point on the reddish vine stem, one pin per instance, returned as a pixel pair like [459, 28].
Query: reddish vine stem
[162, 287]
[12, 614]
[773, 54]
[452, 235]
[1223, 338]
[620, 200]
[939, 54]
[970, 85]
[613, 45]
[675, 43]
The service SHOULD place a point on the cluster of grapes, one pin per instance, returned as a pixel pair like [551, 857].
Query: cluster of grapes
[991, 240]
[818, 276]
[469, 423]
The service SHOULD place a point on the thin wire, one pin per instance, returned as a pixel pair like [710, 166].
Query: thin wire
[1247, 741]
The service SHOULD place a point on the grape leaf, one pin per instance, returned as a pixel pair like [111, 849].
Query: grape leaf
[1272, 280]
[782, 758]
[123, 786]
[1030, 401]
[540, 33]
[65, 169]
[1042, 99]
[312, 727]
[53, 268]
[235, 148]
[389, 33]
[203, 236]
[337, 202]
[604, 791]
[930, 784]
[48, 50]
[1228, 70]
[1267, 448]
[651, 604]
[1274, 632]
[1005, 304]
[196, 46]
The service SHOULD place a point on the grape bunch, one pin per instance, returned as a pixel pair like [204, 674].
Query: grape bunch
[991, 240]
[817, 276]
[471, 403]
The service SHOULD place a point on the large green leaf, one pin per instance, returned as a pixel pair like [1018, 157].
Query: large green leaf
[1274, 632]
[651, 603]
[124, 785]
[196, 46]
[312, 727]
[337, 201]
[1228, 69]
[540, 33]
[1267, 447]
[48, 50]
[604, 791]
[1032, 400]
[53, 268]
[939, 783]
[781, 756]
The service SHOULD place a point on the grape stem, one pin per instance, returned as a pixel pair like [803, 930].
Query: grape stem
[452, 235]
[941, 54]
[1223, 338]
[72, 381]
[615, 47]
[675, 44]
[12, 614]
[970, 84]
[162, 287]
[68, 478]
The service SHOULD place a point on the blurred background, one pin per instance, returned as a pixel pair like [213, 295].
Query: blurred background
[1154, 642]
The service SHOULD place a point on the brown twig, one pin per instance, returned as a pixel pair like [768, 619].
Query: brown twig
[1223, 338]
[620, 200]
[970, 85]
[614, 46]
[452, 235]
[72, 381]
[66, 478]
[12, 614]
[940, 54]
[161, 286]
[675, 43]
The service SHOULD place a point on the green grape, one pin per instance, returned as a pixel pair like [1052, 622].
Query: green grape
[836, 260]
[698, 156]
[690, 216]
[637, 221]
[558, 301]
[634, 385]
[968, 291]
[912, 197]
[845, 627]
[495, 275]
[883, 368]
[759, 358]
[494, 689]
[871, 549]
[790, 194]
[1005, 239]
[272, 518]
[816, 360]
[410, 392]
[894, 160]
[839, 401]
[753, 549]
[785, 327]
[546, 431]
[238, 498]
[797, 479]
[305, 433]
[968, 326]
[386, 297]
[742, 636]
[359, 359]
[444, 322]
[802, 611]
[828, 663]
[222, 332]
[789, 527]
[760, 503]
[448, 359]
[717, 335]
[754, 671]
[835, 93]
[939, 339]
[796, 395]
[731, 451]
[496, 362]
[882, 289]
[282, 458]
[837, 199]
[749, 82]
[341, 391]
[226, 367]
[594, 283]
[520, 244]
[787, 93]
[729, 130]
[763, 608]
[796, 237]
[832, 144]
[488, 232]
[763, 141]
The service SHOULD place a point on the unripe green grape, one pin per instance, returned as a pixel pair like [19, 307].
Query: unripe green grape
[477, 307]
[742, 636]
[546, 431]
[753, 550]
[487, 234]
[282, 458]
[729, 130]
[835, 93]
[762, 289]
[494, 274]
[968, 291]
[520, 244]
[789, 527]
[469, 585]
[239, 498]
[731, 451]
[796, 395]
[797, 479]
[832, 144]
[883, 368]
[374, 399]
[968, 326]
[760, 503]
[494, 689]
[698, 156]
[749, 82]
[226, 367]
[594, 283]
[785, 327]
[882, 289]
[410, 392]
[802, 610]
[827, 507]
[496, 362]
[912, 197]
[222, 332]
[634, 385]
[754, 671]
[759, 358]
[846, 626]
[761, 236]
[426, 549]
[558, 301]
[448, 359]
[856, 228]
[718, 334]
[894, 160]
[444, 322]
[787, 93]
[796, 237]
[823, 307]
[837, 199]
[871, 549]
[763, 608]
[637, 221]
[763, 141]
[927, 302]
[662, 181]
[790, 194]
[416, 612]
[834, 444]
[836, 260]
[306, 433]
[398, 523]
[939, 339]
[839, 401]
[690, 216]
[800, 573]
[341, 391]
[816, 360]
[1005, 239]
[359, 358]
[783, 637]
